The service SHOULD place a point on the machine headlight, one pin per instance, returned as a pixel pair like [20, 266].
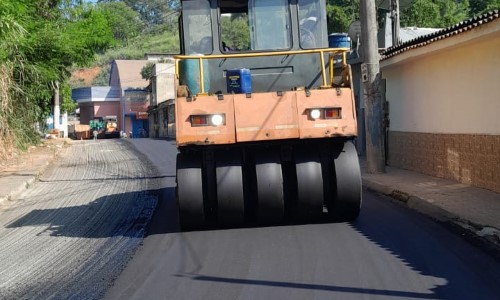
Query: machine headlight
[217, 120]
[315, 113]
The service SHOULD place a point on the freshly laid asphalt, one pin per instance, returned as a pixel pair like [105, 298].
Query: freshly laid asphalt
[472, 209]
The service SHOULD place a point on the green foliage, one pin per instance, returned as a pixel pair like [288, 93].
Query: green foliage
[153, 12]
[39, 41]
[102, 79]
[11, 31]
[235, 32]
[124, 22]
[421, 13]
[147, 71]
[166, 42]
[435, 13]
[340, 14]
[478, 7]
[67, 103]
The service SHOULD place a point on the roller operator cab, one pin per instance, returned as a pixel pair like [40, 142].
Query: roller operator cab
[265, 116]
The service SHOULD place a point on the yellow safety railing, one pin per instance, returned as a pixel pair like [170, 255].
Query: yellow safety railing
[331, 51]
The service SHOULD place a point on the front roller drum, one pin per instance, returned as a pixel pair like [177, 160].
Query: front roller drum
[189, 191]
[346, 202]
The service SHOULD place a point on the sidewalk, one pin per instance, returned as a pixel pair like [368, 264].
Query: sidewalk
[20, 172]
[474, 209]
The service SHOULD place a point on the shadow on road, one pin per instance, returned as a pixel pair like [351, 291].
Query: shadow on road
[451, 268]
[317, 287]
[428, 248]
[125, 214]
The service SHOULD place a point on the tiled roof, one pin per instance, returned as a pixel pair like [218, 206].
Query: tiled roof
[441, 34]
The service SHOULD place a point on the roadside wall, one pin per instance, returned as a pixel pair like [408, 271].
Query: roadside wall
[444, 105]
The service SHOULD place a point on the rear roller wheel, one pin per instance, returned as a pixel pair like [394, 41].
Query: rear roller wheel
[230, 200]
[346, 203]
[271, 205]
[190, 192]
[309, 185]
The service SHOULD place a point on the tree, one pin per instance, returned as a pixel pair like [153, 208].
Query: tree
[478, 7]
[153, 12]
[39, 41]
[435, 13]
[124, 22]
[340, 14]
[235, 32]
[147, 71]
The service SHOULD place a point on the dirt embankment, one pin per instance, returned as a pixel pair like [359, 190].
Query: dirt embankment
[85, 75]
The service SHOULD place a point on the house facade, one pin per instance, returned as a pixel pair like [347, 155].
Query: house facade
[444, 103]
[97, 102]
[134, 98]
[162, 109]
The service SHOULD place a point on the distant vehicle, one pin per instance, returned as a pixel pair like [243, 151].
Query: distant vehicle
[111, 127]
[106, 127]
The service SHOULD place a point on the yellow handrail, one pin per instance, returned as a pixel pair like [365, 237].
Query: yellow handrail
[321, 52]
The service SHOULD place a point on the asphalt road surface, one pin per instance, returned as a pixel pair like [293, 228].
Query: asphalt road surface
[77, 234]
[70, 234]
[390, 252]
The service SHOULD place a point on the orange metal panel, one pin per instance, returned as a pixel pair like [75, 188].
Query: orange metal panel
[266, 116]
[341, 97]
[204, 135]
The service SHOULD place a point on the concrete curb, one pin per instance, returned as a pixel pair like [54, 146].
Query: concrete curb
[21, 183]
[489, 235]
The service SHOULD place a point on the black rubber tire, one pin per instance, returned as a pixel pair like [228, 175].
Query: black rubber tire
[346, 202]
[230, 196]
[309, 206]
[270, 197]
[189, 191]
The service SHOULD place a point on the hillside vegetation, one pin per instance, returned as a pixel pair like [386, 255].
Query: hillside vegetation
[165, 42]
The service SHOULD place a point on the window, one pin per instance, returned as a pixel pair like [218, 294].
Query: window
[254, 26]
[235, 32]
[312, 18]
[270, 24]
[198, 27]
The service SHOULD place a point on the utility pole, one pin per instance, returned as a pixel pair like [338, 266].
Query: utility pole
[57, 111]
[370, 75]
[395, 21]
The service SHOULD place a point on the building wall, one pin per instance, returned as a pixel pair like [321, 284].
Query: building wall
[163, 82]
[467, 158]
[102, 109]
[162, 120]
[128, 125]
[86, 113]
[443, 109]
[450, 92]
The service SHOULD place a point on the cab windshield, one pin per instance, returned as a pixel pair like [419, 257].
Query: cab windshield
[255, 25]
